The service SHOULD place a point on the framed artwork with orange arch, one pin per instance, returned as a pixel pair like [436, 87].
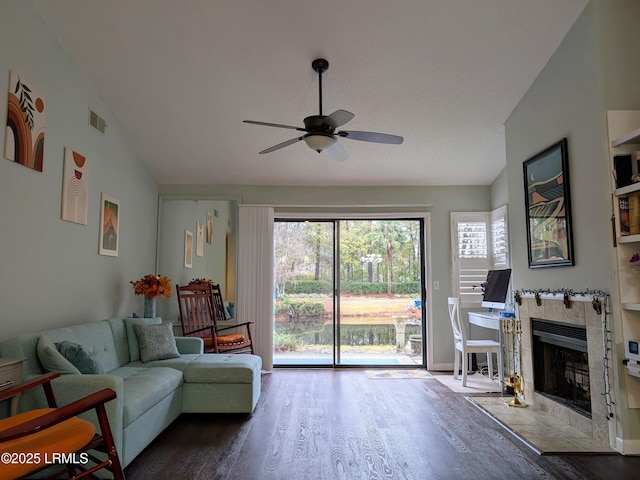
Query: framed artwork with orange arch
[24, 140]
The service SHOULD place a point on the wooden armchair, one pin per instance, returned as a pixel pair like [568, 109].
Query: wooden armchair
[55, 437]
[201, 308]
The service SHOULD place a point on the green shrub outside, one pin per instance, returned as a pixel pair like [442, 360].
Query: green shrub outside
[284, 342]
[299, 308]
[323, 287]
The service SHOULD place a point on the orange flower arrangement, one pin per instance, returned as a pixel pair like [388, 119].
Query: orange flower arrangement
[152, 286]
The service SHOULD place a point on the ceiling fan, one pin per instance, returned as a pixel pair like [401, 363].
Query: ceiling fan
[320, 130]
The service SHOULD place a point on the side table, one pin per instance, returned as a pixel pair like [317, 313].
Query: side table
[10, 375]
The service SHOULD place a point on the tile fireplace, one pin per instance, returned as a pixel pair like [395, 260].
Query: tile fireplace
[563, 375]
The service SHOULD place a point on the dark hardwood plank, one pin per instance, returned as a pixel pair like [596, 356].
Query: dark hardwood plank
[337, 424]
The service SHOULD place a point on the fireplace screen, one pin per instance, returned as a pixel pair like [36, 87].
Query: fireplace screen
[561, 364]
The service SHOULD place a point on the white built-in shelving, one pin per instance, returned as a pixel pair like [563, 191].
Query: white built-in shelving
[624, 135]
[631, 138]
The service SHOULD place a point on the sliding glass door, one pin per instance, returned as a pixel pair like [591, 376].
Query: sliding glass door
[349, 292]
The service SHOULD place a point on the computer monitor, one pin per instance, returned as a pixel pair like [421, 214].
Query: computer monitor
[495, 291]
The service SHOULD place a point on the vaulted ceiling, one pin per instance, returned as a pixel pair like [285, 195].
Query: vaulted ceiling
[180, 76]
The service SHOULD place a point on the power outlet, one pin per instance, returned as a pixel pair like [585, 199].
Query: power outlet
[436, 285]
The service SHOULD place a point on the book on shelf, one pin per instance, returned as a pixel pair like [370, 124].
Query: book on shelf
[622, 170]
[623, 216]
[634, 213]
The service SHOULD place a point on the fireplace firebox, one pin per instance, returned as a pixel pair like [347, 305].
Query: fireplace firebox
[561, 364]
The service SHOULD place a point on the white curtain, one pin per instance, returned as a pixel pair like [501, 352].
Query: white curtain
[254, 297]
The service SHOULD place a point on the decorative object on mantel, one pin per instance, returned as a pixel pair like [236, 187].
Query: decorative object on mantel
[152, 286]
[517, 295]
[597, 305]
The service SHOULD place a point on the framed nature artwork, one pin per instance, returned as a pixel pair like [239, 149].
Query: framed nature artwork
[188, 249]
[548, 207]
[24, 140]
[200, 239]
[75, 182]
[109, 225]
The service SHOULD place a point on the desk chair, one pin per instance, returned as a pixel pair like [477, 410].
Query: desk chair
[462, 346]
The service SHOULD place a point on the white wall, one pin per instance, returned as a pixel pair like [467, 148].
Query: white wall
[50, 271]
[595, 69]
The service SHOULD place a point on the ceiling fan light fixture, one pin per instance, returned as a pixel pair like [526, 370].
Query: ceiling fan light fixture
[318, 142]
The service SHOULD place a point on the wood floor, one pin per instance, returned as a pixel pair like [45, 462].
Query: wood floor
[338, 424]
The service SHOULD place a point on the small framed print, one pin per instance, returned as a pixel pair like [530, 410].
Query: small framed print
[209, 227]
[109, 225]
[188, 249]
[200, 239]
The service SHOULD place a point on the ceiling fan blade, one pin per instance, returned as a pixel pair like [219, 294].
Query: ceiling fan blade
[266, 124]
[282, 145]
[336, 152]
[338, 118]
[371, 137]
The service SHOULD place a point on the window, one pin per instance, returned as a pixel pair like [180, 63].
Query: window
[479, 243]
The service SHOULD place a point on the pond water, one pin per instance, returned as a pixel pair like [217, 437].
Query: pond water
[359, 331]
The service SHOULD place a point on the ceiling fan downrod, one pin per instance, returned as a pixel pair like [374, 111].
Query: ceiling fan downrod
[320, 65]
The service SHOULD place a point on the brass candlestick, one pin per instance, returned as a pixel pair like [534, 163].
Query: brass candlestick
[512, 330]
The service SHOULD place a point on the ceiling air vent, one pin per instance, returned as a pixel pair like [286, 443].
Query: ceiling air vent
[97, 122]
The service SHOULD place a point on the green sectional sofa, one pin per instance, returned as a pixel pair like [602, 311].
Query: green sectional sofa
[151, 393]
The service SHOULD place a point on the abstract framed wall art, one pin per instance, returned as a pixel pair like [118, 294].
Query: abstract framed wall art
[75, 183]
[200, 239]
[548, 207]
[24, 140]
[188, 249]
[109, 225]
[209, 227]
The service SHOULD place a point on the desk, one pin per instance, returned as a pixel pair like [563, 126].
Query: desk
[494, 322]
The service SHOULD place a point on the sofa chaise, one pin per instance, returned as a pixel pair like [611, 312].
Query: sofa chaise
[155, 375]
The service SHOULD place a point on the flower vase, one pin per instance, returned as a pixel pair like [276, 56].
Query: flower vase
[150, 307]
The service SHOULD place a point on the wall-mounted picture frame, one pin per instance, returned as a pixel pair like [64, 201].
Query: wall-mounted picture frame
[24, 138]
[548, 207]
[75, 187]
[188, 249]
[109, 225]
[199, 239]
[209, 227]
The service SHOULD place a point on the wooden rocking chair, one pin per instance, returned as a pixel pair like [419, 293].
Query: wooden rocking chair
[233, 342]
[201, 306]
[54, 437]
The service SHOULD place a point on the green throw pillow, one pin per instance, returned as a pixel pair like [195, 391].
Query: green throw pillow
[51, 359]
[156, 342]
[132, 336]
[78, 356]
